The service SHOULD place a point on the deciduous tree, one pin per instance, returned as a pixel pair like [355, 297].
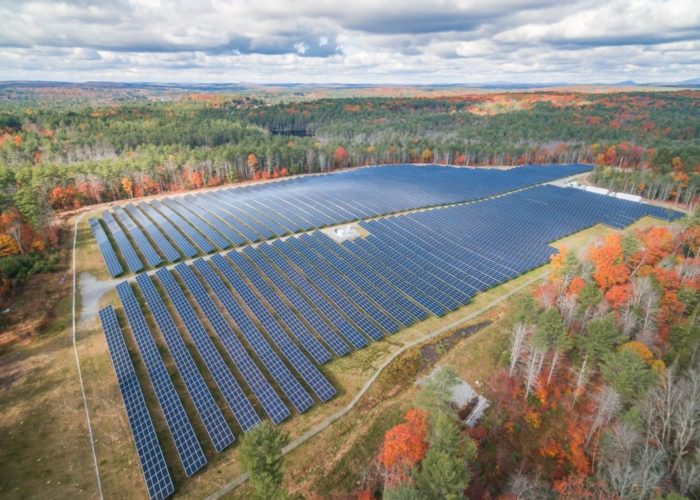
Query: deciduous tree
[404, 446]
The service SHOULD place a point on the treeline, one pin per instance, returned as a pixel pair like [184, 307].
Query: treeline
[60, 157]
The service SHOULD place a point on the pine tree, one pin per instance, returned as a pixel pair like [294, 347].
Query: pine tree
[261, 454]
[444, 472]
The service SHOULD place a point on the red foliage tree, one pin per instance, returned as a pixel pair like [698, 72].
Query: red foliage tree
[618, 295]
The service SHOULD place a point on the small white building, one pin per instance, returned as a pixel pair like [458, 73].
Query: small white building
[596, 190]
[628, 197]
[464, 397]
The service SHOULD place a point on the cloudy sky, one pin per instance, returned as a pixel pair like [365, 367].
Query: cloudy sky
[350, 41]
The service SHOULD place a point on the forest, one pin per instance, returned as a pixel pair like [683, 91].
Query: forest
[64, 153]
[597, 394]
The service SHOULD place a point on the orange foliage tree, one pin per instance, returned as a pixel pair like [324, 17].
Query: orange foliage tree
[657, 243]
[340, 157]
[609, 263]
[404, 445]
[252, 164]
[196, 180]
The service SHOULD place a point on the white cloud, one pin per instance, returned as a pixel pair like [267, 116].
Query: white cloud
[468, 41]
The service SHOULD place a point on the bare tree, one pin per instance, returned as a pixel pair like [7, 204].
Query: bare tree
[633, 468]
[608, 405]
[524, 487]
[688, 477]
[646, 300]
[649, 471]
[567, 306]
[581, 379]
[672, 416]
[533, 367]
[517, 343]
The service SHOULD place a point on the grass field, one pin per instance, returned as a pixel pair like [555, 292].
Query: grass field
[45, 450]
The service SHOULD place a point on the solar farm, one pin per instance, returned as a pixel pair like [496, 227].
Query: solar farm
[249, 291]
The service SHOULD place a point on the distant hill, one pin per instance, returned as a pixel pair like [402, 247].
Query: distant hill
[245, 86]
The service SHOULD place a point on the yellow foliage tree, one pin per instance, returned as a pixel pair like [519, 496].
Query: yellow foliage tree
[128, 187]
[639, 349]
[8, 246]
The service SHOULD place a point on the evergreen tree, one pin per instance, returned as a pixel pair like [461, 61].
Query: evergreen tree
[436, 391]
[444, 472]
[602, 337]
[627, 373]
[402, 491]
[261, 455]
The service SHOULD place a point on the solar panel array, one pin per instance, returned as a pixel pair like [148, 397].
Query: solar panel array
[166, 248]
[219, 432]
[139, 238]
[188, 448]
[123, 243]
[111, 260]
[183, 245]
[153, 466]
[262, 320]
[249, 371]
[199, 223]
[233, 394]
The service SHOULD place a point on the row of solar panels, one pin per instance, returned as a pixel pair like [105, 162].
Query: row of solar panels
[166, 230]
[309, 297]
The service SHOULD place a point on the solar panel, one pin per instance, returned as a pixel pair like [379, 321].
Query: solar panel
[253, 377]
[363, 293]
[294, 325]
[324, 305]
[139, 238]
[184, 226]
[280, 373]
[398, 279]
[188, 448]
[185, 247]
[225, 212]
[191, 204]
[218, 430]
[153, 466]
[218, 217]
[309, 314]
[236, 400]
[289, 248]
[128, 252]
[249, 226]
[262, 218]
[161, 242]
[191, 213]
[393, 302]
[308, 372]
[110, 258]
